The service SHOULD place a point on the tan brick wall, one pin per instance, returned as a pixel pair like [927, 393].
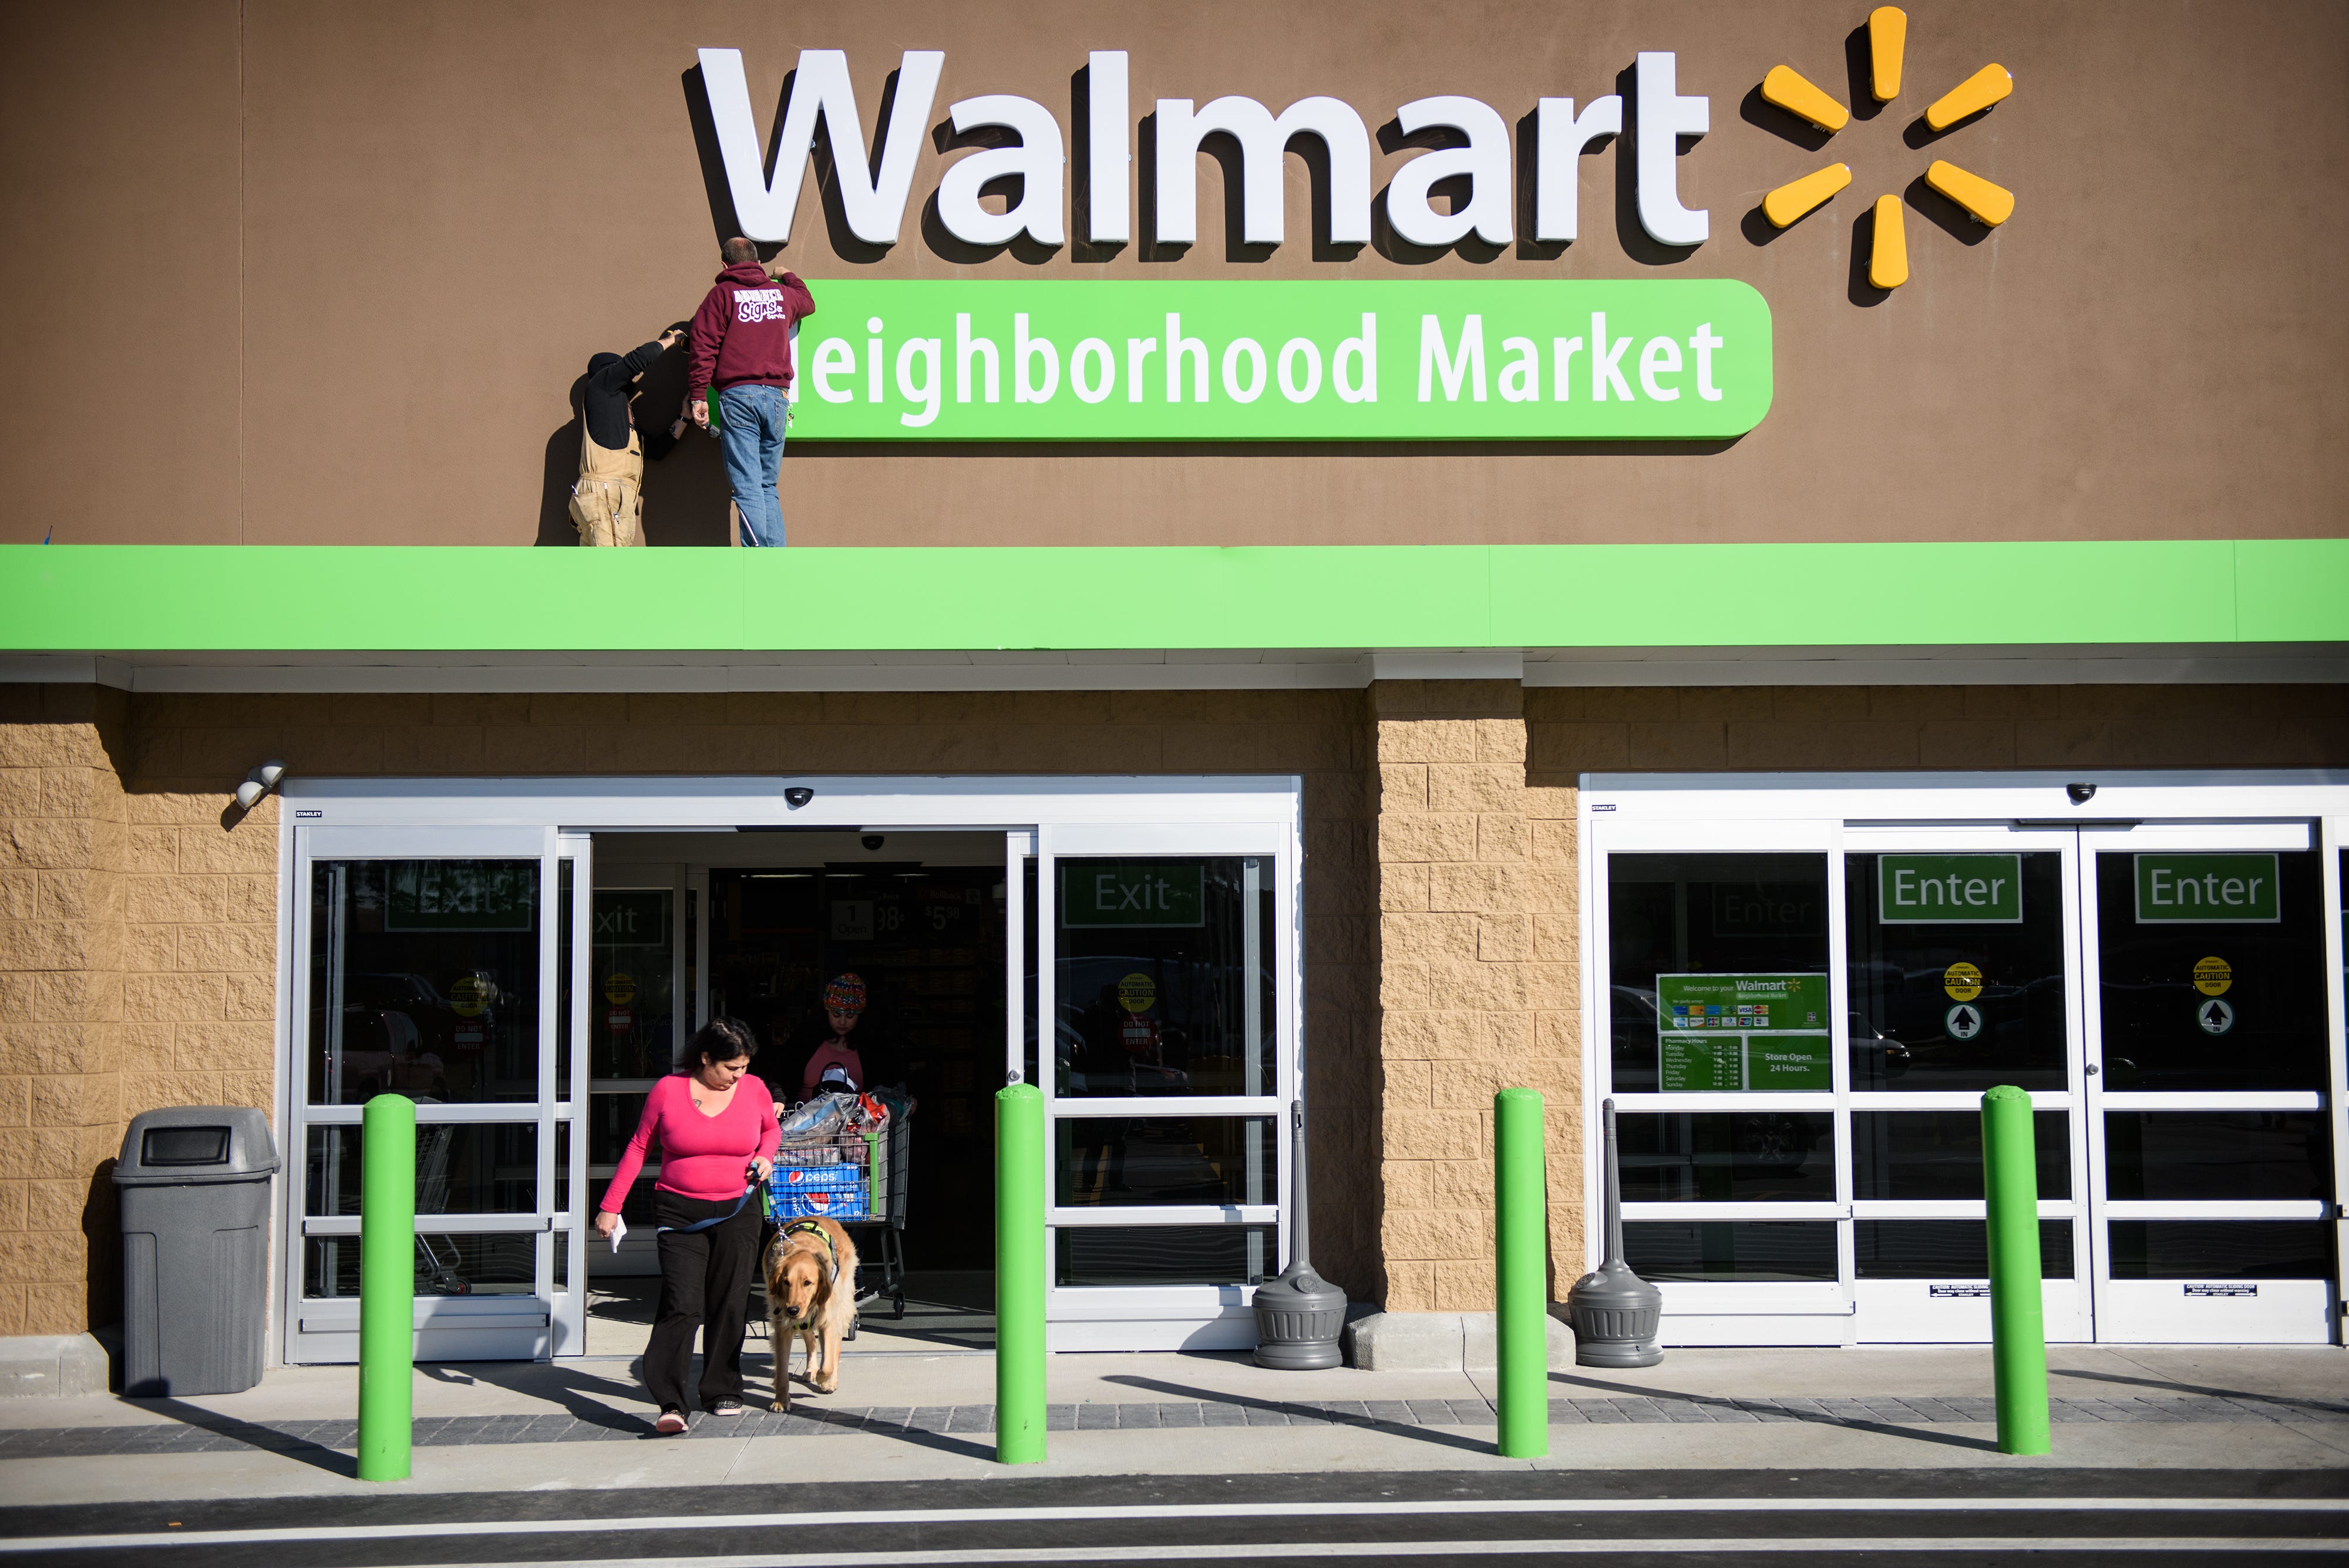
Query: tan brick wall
[1480, 989]
[62, 847]
[202, 904]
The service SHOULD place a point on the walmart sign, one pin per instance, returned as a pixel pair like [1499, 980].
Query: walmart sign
[1063, 359]
[1313, 359]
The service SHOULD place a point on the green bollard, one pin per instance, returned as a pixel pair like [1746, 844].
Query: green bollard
[2018, 1334]
[1521, 1230]
[386, 1287]
[1019, 1275]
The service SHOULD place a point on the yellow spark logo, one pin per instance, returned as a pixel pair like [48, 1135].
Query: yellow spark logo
[1887, 37]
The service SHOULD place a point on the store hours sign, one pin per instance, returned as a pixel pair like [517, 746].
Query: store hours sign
[1282, 360]
[1729, 1034]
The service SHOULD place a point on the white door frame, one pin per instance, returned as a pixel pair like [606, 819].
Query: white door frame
[1232, 813]
[454, 1328]
[1824, 813]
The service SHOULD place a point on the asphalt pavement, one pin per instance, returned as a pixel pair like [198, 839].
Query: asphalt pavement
[1958, 1515]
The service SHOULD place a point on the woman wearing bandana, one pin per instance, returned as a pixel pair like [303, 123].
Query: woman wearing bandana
[836, 1066]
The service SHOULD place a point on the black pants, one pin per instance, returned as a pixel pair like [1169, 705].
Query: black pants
[705, 1284]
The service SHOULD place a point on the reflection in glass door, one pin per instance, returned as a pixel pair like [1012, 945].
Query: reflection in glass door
[2166, 993]
[1168, 1085]
[1958, 956]
[2210, 1130]
[430, 966]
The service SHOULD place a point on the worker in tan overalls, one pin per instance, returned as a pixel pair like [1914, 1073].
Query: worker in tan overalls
[607, 502]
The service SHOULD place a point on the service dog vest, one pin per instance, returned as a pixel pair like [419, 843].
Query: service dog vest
[607, 503]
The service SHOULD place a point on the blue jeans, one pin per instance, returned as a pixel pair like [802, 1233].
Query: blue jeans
[750, 434]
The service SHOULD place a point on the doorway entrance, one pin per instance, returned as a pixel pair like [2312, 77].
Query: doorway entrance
[526, 957]
[1808, 995]
[917, 921]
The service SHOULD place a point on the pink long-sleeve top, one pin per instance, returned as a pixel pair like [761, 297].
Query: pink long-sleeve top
[702, 1157]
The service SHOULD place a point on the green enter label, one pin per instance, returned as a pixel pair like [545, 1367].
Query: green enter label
[1720, 1034]
[1949, 889]
[2201, 889]
[1063, 359]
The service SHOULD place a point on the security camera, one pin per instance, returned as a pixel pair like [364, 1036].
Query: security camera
[873, 841]
[798, 796]
[2080, 793]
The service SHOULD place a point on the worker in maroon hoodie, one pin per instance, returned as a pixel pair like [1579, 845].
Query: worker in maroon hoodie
[741, 344]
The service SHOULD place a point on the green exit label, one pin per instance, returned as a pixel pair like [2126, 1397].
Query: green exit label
[1140, 893]
[1949, 889]
[2201, 889]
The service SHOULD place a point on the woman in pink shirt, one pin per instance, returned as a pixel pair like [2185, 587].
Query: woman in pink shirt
[718, 1137]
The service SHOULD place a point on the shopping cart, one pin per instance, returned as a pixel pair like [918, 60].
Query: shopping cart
[855, 1175]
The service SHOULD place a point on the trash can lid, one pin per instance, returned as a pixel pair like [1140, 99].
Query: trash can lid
[188, 1145]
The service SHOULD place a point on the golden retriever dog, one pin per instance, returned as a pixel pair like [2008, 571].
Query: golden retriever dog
[811, 1268]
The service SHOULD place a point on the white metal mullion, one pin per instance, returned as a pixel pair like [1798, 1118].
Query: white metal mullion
[1289, 1041]
[1015, 960]
[549, 948]
[1597, 1020]
[2333, 913]
[1048, 1031]
[1810, 1100]
[571, 1229]
[1748, 1211]
[2086, 1071]
[1839, 940]
[294, 1195]
[1164, 1215]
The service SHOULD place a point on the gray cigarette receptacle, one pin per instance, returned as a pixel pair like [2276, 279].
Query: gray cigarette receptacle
[194, 1185]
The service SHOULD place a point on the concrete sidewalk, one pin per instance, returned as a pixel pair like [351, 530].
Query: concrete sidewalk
[584, 1423]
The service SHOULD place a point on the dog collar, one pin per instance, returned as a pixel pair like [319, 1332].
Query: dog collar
[831, 1253]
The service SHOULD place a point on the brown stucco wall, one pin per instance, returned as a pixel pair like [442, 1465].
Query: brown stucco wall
[369, 249]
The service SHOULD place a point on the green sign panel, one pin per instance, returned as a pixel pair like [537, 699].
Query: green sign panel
[633, 918]
[1068, 360]
[2202, 890]
[1142, 893]
[460, 896]
[1733, 1032]
[1949, 889]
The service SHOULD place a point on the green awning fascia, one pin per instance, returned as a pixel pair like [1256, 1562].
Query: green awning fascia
[430, 598]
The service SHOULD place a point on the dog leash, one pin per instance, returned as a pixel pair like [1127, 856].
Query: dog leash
[714, 1219]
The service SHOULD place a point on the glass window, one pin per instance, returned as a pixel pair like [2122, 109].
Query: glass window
[2221, 1249]
[1115, 1161]
[445, 1265]
[423, 980]
[469, 1168]
[1162, 977]
[1727, 1157]
[1702, 915]
[1745, 1251]
[1948, 1248]
[632, 1016]
[1965, 1001]
[2222, 1004]
[2188, 1155]
[1164, 1255]
[1937, 1156]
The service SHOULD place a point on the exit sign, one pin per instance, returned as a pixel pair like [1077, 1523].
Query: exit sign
[1131, 894]
[1949, 889]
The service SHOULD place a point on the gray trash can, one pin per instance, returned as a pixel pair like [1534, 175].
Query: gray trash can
[194, 1185]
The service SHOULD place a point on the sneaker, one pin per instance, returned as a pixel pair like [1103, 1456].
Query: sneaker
[727, 1408]
[671, 1422]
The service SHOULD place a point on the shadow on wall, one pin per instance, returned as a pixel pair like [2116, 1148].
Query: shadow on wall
[101, 1229]
[686, 496]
